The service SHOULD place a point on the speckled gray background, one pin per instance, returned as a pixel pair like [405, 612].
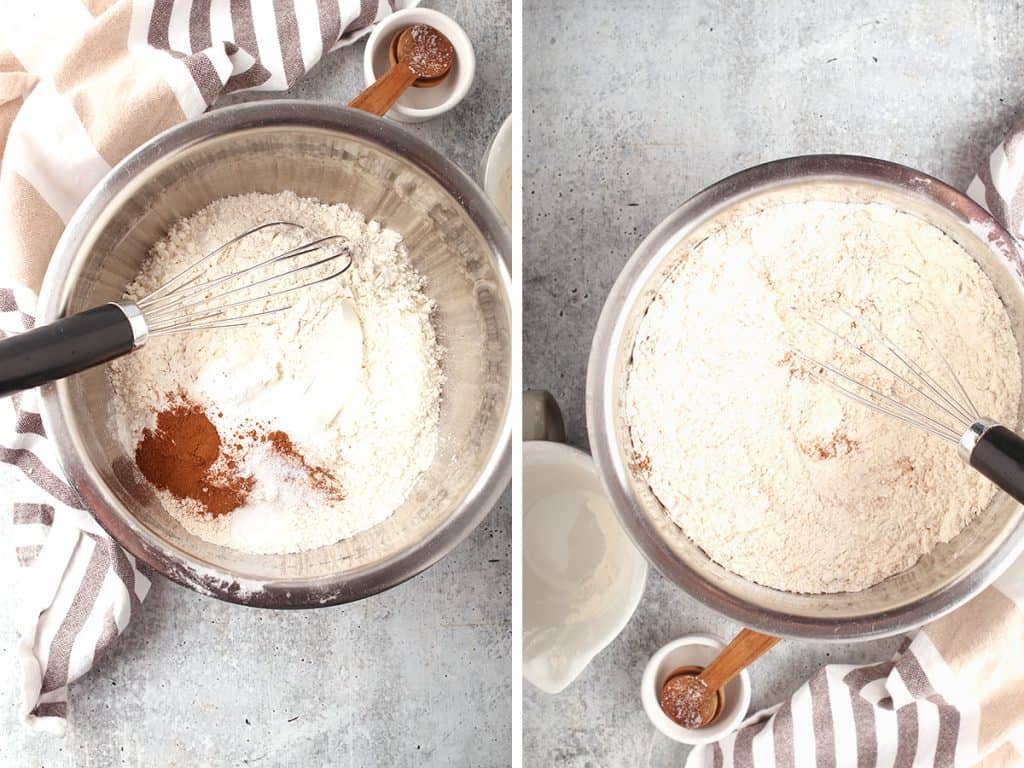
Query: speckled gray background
[631, 107]
[418, 676]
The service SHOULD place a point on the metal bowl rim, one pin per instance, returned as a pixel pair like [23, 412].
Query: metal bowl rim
[115, 518]
[600, 397]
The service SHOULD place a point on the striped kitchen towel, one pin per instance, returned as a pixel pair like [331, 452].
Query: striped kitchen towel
[82, 83]
[954, 696]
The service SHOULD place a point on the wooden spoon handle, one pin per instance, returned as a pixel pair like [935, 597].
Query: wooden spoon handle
[743, 651]
[381, 96]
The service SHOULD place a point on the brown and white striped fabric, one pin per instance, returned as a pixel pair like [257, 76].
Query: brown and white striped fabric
[75, 589]
[954, 695]
[82, 83]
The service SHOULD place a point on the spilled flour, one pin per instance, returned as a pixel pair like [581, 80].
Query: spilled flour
[773, 474]
[344, 386]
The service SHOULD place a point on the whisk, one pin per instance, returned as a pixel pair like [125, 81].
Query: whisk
[189, 301]
[935, 403]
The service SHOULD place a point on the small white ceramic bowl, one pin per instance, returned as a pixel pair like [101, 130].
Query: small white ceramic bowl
[419, 104]
[496, 170]
[582, 576]
[692, 650]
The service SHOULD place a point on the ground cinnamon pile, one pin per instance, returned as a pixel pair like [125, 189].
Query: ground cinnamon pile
[179, 457]
[185, 456]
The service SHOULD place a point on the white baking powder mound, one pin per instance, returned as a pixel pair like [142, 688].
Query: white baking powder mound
[772, 473]
[350, 372]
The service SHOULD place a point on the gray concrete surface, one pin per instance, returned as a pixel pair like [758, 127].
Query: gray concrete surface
[420, 675]
[630, 108]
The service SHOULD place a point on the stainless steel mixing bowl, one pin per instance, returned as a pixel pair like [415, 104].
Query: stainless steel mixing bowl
[939, 582]
[455, 238]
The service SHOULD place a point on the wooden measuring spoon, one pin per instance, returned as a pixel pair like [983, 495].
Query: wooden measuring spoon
[692, 700]
[423, 53]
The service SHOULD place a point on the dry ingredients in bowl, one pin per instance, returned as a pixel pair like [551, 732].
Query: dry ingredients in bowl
[774, 475]
[300, 429]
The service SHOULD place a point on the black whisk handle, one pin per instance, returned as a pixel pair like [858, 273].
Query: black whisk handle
[67, 346]
[999, 455]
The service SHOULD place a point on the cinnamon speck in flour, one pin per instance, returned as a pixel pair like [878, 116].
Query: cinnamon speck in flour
[326, 415]
[773, 474]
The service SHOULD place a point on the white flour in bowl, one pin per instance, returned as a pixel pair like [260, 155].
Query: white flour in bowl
[350, 374]
[774, 475]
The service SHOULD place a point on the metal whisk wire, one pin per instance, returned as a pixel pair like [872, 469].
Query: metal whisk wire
[184, 303]
[917, 379]
[982, 443]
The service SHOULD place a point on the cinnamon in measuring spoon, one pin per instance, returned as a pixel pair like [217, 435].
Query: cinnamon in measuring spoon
[179, 455]
[685, 698]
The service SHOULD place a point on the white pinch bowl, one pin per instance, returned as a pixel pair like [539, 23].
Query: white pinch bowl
[692, 650]
[419, 104]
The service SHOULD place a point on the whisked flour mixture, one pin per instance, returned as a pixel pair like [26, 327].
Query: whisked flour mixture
[302, 428]
[773, 474]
